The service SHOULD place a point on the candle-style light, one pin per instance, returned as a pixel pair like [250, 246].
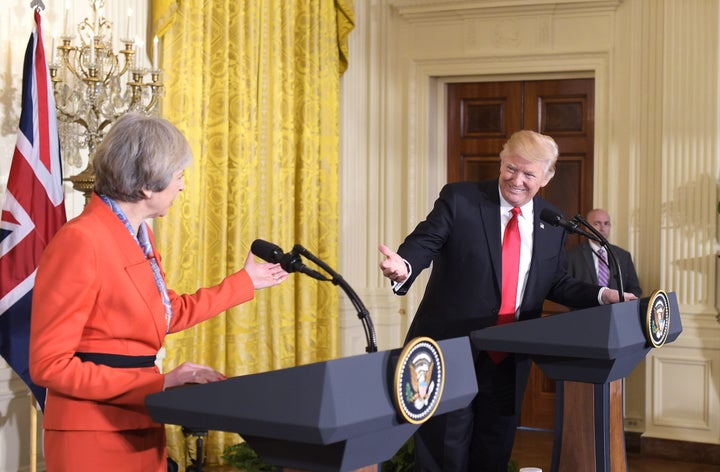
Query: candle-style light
[155, 53]
[129, 19]
[92, 50]
[66, 30]
[94, 86]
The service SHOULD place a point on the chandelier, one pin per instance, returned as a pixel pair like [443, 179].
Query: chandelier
[94, 86]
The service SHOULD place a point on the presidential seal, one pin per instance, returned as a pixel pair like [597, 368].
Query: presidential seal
[657, 318]
[419, 380]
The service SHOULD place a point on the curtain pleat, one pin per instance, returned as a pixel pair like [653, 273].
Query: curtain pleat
[254, 85]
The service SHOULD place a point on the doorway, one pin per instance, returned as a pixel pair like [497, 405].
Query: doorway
[481, 117]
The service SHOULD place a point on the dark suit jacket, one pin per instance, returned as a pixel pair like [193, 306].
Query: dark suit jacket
[582, 266]
[461, 238]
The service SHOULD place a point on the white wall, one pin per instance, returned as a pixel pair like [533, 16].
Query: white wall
[655, 65]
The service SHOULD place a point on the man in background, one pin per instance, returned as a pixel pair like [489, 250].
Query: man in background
[589, 262]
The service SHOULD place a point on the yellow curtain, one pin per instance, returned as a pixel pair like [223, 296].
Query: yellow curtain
[254, 85]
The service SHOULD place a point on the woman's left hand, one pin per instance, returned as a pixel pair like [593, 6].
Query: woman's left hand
[264, 274]
[189, 373]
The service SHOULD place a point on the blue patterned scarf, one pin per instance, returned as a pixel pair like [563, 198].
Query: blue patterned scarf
[143, 240]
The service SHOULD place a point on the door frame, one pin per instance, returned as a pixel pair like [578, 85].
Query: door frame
[424, 139]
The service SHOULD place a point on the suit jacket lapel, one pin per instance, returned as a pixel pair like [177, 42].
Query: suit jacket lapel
[587, 254]
[541, 239]
[137, 266]
[490, 214]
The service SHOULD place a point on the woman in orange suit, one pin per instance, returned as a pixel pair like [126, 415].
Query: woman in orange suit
[101, 309]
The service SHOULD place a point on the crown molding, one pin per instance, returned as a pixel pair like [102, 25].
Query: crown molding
[439, 10]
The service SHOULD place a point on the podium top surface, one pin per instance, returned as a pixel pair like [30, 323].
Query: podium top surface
[319, 403]
[602, 332]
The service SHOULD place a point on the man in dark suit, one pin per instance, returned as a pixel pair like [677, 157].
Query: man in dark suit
[463, 238]
[585, 260]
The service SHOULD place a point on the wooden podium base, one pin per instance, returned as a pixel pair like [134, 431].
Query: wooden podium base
[369, 468]
[592, 430]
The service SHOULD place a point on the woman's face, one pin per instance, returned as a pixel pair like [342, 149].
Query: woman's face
[160, 202]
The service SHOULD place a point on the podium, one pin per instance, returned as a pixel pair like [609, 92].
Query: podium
[590, 348]
[338, 415]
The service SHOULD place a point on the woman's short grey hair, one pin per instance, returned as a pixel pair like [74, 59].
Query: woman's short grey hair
[139, 153]
[533, 146]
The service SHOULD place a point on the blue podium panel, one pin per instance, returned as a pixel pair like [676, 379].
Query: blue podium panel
[597, 345]
[328, 416]
[593, 346]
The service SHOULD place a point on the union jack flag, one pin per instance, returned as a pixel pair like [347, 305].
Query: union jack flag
[33, 210]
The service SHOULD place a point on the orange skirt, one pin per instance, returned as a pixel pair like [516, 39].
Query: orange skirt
[107, 451]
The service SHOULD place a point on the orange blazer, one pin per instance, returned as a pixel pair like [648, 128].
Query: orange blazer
[95, 292]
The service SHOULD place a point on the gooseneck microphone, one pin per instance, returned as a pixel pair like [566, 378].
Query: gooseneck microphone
[362, 312]
[556, 219]
[611, 255]
[290, 262]
[572, 226]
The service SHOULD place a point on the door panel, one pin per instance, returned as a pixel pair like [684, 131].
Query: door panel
[481, 117]
[564, 109]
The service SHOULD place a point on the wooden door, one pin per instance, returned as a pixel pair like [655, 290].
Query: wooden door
[481, 117]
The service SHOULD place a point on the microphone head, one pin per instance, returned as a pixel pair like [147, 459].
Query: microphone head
[551, 216]
[266, 251]
[291, 262]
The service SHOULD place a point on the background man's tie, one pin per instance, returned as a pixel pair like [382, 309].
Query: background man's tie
[603, 273]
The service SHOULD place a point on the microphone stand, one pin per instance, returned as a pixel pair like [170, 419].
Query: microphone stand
[362, 312]
[611, 255]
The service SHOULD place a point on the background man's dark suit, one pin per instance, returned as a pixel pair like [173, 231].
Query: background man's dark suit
[582, 266]
[461, 237]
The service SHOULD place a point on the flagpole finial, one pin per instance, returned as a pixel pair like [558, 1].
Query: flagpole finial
[37, 5]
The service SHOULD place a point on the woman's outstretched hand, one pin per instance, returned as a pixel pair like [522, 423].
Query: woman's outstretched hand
[264, 274]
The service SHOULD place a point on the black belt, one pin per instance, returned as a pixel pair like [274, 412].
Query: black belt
[116, 360]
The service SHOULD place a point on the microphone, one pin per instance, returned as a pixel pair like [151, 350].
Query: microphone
[266, 251]
[290, 262]
[336, 279]
[556, 219]
[611, 255]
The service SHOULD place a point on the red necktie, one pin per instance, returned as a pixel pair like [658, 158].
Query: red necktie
[510, 270]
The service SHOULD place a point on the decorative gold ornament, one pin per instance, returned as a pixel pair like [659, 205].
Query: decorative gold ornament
[94, 86]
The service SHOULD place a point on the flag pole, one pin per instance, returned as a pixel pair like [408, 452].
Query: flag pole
[38, 6]
[33, 434]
